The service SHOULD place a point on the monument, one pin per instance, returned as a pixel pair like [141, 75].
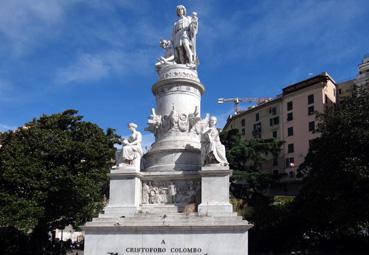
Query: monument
[174, 199]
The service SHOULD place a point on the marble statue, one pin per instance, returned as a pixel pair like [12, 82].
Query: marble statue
[181, 49]
[184, 37]
[132, 150]
[212, 150]
[168, 58]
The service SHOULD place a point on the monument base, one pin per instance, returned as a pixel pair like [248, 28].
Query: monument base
[175, 233]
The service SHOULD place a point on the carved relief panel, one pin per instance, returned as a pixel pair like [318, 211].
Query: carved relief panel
[171, 192]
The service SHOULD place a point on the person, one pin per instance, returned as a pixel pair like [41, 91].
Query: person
[132, 150]
[212, 150]
[184, 37]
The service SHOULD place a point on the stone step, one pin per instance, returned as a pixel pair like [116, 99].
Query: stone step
[167, 215]
[169, 220]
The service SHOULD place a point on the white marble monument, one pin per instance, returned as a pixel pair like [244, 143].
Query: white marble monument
[175, 198]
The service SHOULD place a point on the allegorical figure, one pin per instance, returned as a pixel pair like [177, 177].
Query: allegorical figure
[212, 150]
[184, 37]
[168, 57]
[132, 150]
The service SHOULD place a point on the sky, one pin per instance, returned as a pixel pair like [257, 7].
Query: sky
[97, 56]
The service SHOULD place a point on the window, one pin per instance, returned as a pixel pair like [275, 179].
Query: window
[291, 148]
[273, 110]
[256, 132]
[257, 127]
[311, 110]
[339, 91]
[312, 126]
[310, 99]
[257, 117]
[290, 162]
[274, 134]
[289, 116]
[274, 121]
[289, 106]
[243, 131]
[290, 131]
[243, 122]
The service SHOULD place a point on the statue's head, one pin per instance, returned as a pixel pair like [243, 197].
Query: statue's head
[181, 10]
[212, 121]
[165, 44]
[132, 126]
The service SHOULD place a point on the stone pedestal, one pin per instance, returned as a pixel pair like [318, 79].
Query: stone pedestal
[215, 191]
[174, 205]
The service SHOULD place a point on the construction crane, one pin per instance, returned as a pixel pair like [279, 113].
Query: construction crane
[237, 101]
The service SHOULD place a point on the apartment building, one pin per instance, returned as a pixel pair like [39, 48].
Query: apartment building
[363, 77]
[346, 88]
[289, 117]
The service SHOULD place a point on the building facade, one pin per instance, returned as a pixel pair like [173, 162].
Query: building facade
[290, 117]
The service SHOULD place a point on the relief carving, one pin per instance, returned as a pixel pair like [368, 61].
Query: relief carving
[171, 192]
[176, 122]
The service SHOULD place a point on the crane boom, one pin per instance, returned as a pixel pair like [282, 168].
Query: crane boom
[237, 101]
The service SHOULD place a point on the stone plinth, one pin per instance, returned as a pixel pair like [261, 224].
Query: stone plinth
[167, 234]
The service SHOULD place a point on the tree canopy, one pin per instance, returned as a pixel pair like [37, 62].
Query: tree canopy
[334, 201]
[52, 173]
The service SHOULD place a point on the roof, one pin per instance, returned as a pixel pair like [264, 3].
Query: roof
[323, 77]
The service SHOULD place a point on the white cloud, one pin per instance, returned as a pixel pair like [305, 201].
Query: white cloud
[86, 68]
[93, 67]
[23, 23]
[267, 26]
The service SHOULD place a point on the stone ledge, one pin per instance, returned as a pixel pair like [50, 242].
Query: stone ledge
[221, 226]
[122, 174]
[215, 170]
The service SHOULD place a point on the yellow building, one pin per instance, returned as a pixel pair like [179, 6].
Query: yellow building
[289, 117]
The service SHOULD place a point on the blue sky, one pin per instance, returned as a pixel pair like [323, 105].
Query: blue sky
[97, 56]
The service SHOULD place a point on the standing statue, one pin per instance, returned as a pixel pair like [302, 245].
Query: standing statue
[132, 150]
[212, 150]
[184, 37]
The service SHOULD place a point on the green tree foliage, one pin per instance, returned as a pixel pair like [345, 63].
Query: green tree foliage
[248, 155]
[334, 201]
[52, 173]
[249, 183]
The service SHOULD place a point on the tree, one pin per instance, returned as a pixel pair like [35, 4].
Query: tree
[333, 204]
[248, 186]
[248, 155]
[52, 174]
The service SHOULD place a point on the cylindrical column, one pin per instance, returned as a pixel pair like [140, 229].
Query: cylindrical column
[177, 141]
